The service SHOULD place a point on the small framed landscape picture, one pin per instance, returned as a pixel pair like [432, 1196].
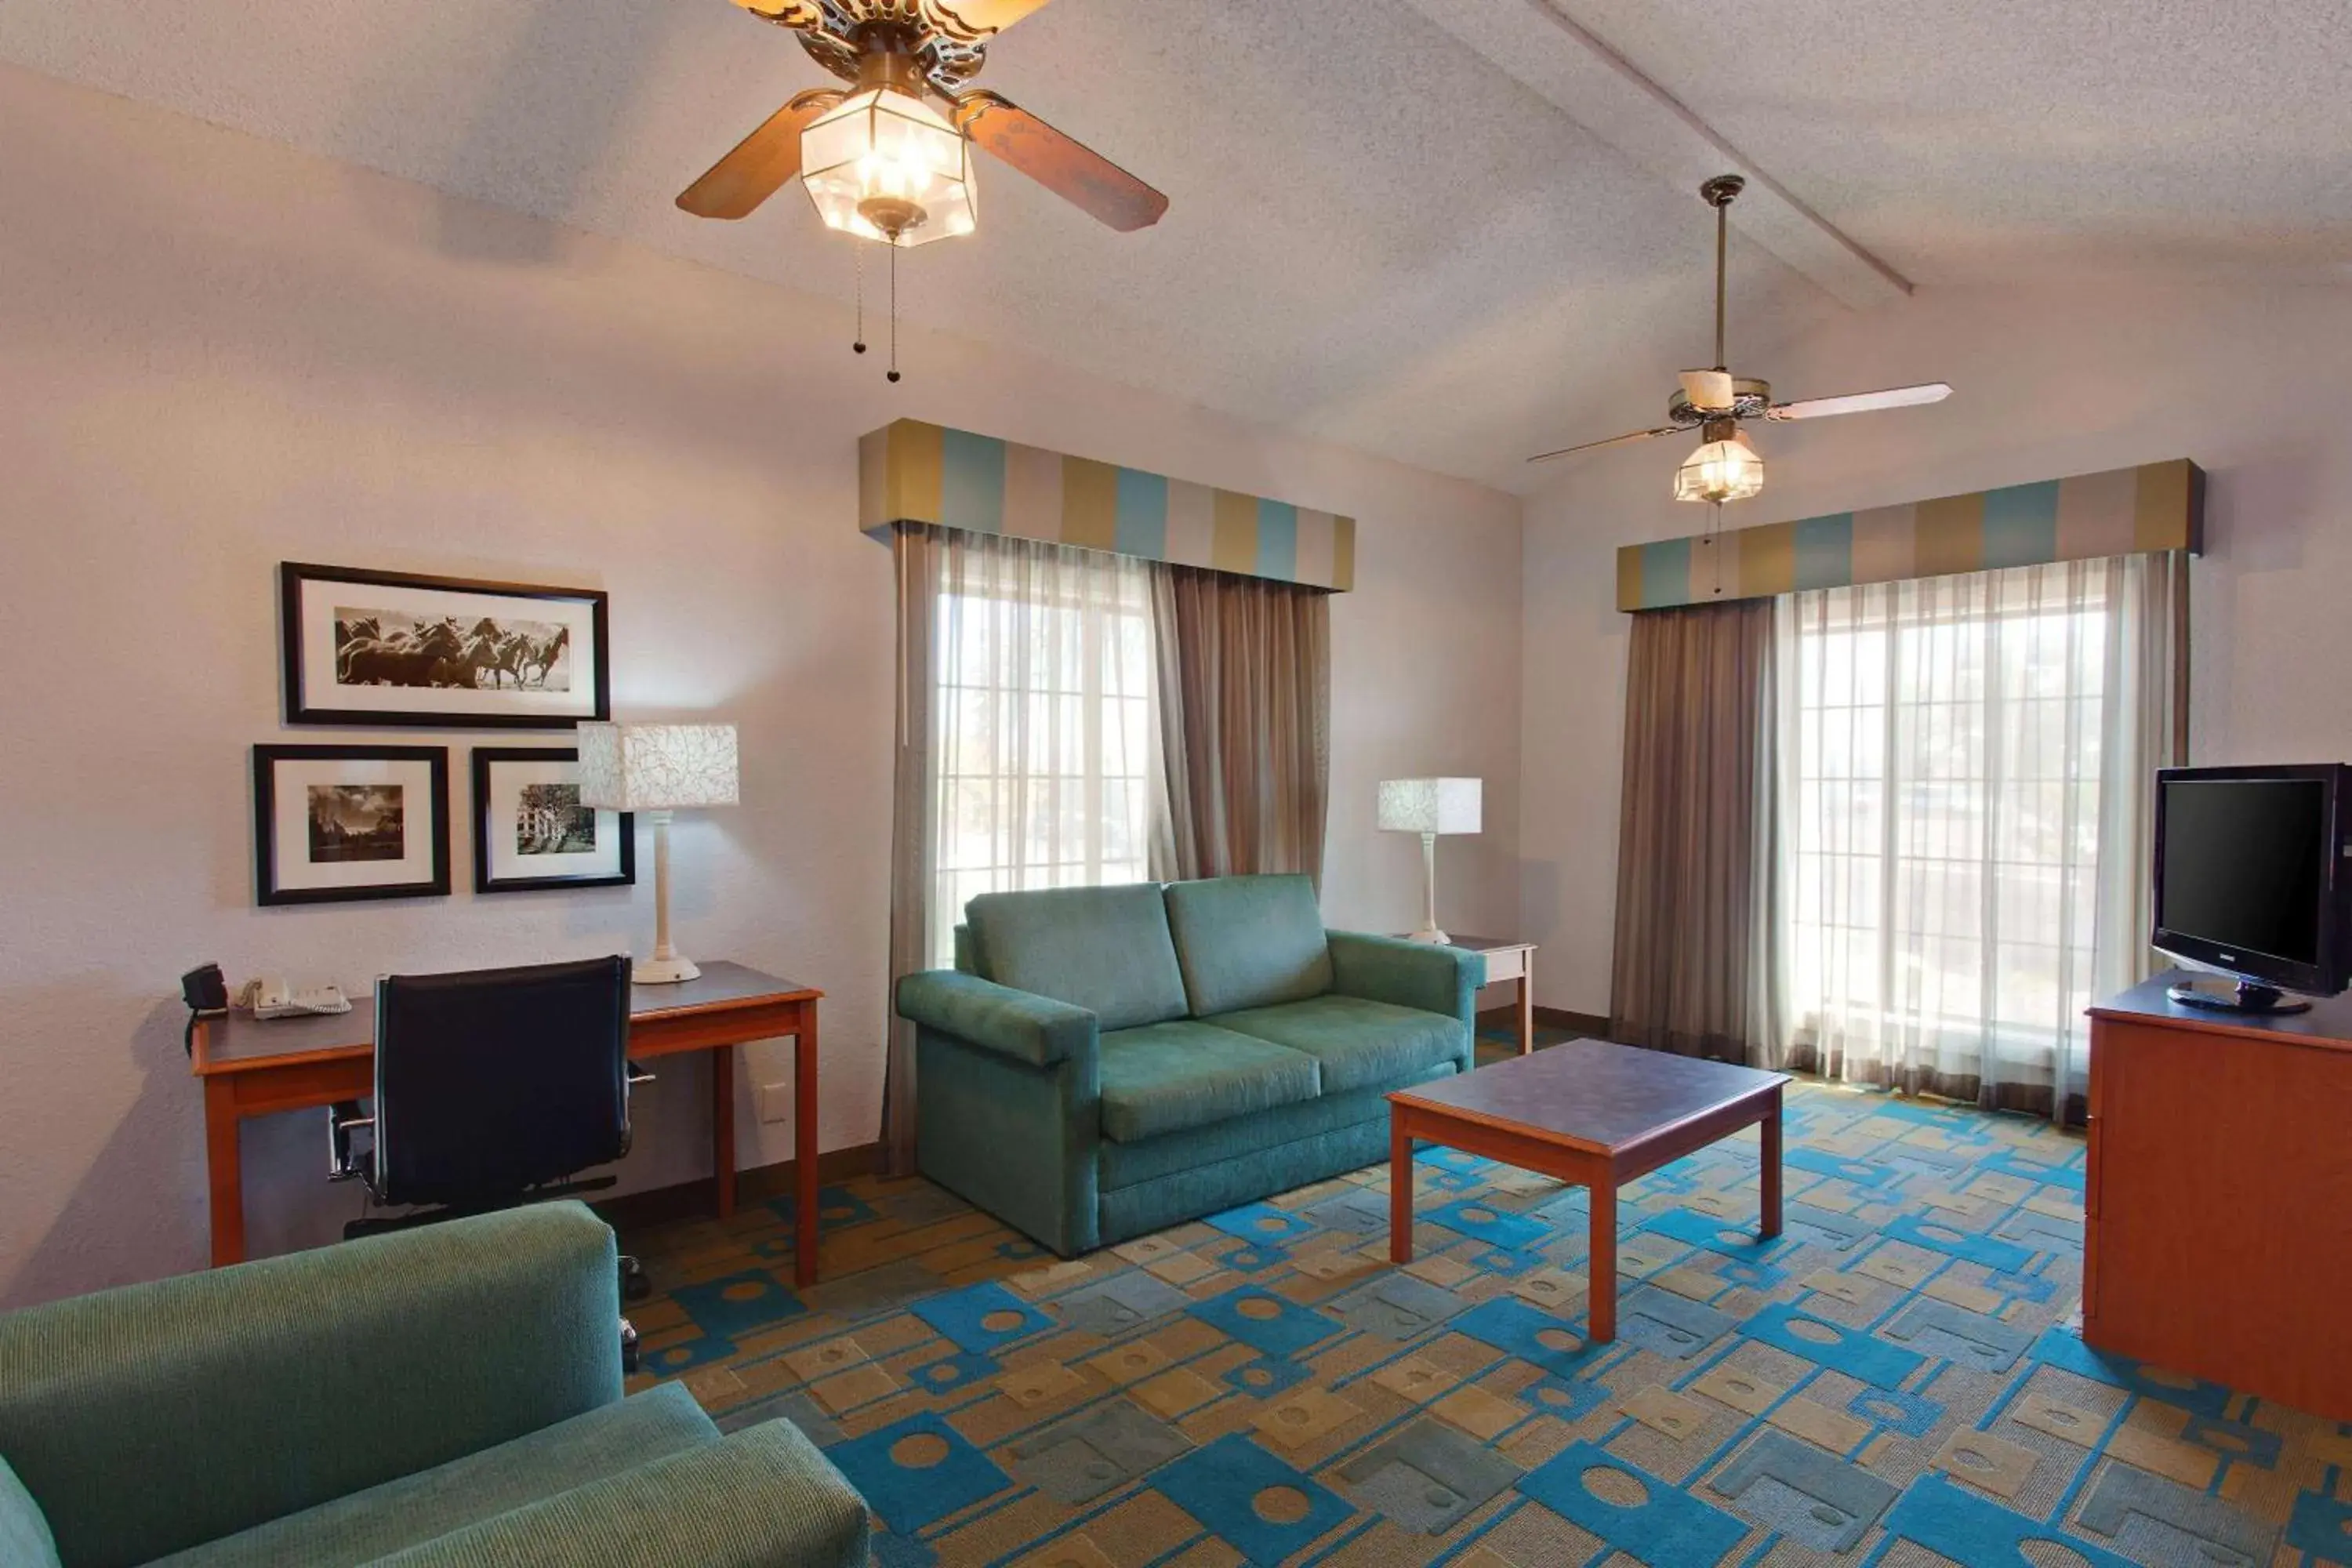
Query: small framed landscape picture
[384, 648]
[531, 832]
[337, 823]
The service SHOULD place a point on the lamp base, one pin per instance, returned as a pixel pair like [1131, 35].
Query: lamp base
[1430, 934]
[663, 971]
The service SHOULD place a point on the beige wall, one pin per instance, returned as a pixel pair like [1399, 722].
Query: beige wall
[217, 353]
[2046, 383]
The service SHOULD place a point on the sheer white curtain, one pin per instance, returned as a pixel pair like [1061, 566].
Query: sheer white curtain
[1042, 712]
[1962, 798]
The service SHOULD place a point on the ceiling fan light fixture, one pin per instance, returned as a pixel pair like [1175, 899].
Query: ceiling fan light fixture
[1727, 467]
[883, 165]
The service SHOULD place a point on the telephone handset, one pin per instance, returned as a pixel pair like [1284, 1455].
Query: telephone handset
[206, 994]
[270, 997]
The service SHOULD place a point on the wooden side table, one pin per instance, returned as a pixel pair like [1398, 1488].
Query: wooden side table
[1509, 960]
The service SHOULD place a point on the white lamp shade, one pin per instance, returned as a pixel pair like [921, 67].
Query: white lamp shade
[1429, 806]
[656, 767]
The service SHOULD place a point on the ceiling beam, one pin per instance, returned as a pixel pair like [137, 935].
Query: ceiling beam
[1540, 46]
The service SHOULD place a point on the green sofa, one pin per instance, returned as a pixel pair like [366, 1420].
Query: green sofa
[449, 1395]
[1103, 1062]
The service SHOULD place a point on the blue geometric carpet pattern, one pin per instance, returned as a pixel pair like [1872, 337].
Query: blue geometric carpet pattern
[1894, 1381]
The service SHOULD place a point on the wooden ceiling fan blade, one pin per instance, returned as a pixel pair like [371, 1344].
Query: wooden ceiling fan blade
[978, 18]
[1708, 390]
[1612, 441]
[1073, 172]
[786, 13]
[1861, 401]
[734, 186]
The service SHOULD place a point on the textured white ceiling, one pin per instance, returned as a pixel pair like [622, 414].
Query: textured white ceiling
[1376, 238]
[1983, 141]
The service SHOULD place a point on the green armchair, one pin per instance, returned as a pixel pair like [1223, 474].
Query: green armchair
[444, 1396]
[1107, 1061]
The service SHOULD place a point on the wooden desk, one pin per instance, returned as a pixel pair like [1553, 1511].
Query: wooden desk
[2217, 1204]
[254, 1067]
[1509, 960]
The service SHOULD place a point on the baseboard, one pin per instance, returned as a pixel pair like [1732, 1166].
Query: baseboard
[1585, 1023]
[699, 1198]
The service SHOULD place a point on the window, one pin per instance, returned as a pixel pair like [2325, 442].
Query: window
[1947, 748]
[1044, 715]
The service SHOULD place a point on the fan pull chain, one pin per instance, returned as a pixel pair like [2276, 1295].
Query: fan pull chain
[894, 314]
[858, 344]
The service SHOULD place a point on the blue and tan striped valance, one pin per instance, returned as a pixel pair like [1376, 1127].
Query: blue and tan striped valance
[2157, 506]
[908, 471]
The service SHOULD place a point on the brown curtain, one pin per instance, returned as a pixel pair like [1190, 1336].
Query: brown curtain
[1245, 724]
[1694, 860]
[916, 555]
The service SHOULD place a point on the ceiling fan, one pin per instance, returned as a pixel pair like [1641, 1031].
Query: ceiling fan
[1714, 402]
[878, 158]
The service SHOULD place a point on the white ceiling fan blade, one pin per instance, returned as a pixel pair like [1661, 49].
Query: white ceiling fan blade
[1860, 402]
[1708, 390]
[1612, 441]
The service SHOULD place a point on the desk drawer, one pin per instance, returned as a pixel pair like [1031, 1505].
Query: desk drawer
[1507, 964]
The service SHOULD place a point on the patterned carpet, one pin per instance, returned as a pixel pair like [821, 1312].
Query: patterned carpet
[1891, 1382]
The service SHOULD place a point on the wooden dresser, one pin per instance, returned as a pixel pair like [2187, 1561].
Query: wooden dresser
[2218, 1196]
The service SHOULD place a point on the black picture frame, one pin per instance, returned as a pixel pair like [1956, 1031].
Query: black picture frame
[313, 695]
[267, 863]
[486, 759]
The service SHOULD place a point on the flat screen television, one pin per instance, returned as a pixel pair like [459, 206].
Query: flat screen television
[2252, 878]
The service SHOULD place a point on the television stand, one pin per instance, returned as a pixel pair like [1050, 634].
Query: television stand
[2217, 1236]
[2223, 993]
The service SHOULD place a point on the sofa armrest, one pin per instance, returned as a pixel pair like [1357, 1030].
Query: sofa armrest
[1021, 1024]
[151, 1418]
[763, 1498]
[1429, 975]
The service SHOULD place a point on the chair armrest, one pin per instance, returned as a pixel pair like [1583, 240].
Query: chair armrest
[763, 1498]
[25, 1540]
[1018, 1023]
[1429, 975]
[151, 1418]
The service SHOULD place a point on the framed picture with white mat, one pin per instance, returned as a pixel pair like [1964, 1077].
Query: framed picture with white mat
[332, 824]
[531, 832]
[367, 648]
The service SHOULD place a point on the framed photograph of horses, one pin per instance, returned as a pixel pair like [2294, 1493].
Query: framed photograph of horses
[531, 832]
[452, 653]
[337, 823]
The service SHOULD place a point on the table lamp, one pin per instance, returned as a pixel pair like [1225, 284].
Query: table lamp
[657, 769]
[1429, 807]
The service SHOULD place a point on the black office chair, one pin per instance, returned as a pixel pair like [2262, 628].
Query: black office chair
[493, 1088]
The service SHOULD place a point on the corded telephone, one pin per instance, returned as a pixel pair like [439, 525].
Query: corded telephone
[270, 997]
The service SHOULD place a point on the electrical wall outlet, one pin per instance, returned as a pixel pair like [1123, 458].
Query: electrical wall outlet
[776, 1101]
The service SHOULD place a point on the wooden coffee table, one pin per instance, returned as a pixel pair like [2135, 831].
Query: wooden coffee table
[1591, 1113]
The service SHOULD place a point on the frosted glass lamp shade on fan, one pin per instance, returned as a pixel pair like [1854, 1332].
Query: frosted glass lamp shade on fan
[658, 769]
[883, 165]
[1429, 807]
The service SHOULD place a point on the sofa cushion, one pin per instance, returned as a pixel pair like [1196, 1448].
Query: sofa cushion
[1165, 1078]
[1248, 942]
[1243, 1139]
[1358, 1042]
[366, 1525]
[1104, 949]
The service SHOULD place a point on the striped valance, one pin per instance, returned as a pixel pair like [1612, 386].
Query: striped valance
[2157, 506]
[908, 471]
